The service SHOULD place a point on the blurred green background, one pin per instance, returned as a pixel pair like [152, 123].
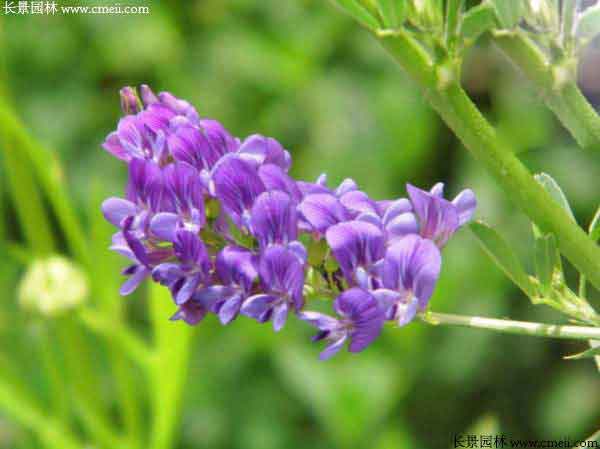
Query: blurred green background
[301, 71]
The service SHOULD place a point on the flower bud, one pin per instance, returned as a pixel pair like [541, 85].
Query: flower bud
[52, 285]
[129, 100]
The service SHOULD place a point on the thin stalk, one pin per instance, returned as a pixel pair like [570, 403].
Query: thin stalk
[513, 327]
[481, 139]
[49, 172]
[558, 86]
[172, 343]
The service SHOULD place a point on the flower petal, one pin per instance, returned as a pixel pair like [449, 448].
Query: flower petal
[115, 210]
[163, 225]
[321, 211]
[274, 218]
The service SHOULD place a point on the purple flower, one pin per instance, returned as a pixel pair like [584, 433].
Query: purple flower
[275, 178]
[167, 100]
[141, 136]
[361, 320]
[410, 271]
[282, 280]
[357, 202]
[396, 219]
[274, 219]
[201, 147]
[186, 192]
[438, 218]
[144, 196]
[357, 246]
[320, 211]
[258, 150]
[193, 267]
[237, 185]
[237, 271]
[144, 257]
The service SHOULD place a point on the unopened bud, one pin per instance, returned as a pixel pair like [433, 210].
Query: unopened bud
[129, 101]
[52, 285]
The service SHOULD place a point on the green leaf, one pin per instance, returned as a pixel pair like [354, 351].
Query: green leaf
[393, 12]
[589, 23]
[358, 12]
[453, 11]
[477, 21]
[594, 229]
[547, 260]
[501, 253]
[552, 187]
[587, 354]
[509, 12]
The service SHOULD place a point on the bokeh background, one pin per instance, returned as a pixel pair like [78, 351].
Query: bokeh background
[301, 71]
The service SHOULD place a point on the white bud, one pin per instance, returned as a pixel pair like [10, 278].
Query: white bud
[52, 285]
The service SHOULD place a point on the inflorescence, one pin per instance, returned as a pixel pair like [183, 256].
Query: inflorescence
[221, 223]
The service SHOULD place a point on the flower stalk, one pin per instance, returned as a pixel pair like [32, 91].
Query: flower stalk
[512, 327]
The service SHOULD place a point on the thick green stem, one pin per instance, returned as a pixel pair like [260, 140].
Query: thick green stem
[481, 139]
[513, 327]
[557, 84]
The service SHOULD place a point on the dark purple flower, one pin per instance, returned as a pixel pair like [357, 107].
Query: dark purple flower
[438, 218]
[320, 211]
[258, 150]
[129, 243]
[192, 269]
[237, 271]
[282, 280]
[361, 320]
[410, 271]
[274, 219]
[358, 247]
[237, 185]
[194, 310]
[186, 192]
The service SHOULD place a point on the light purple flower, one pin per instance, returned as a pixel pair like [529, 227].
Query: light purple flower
[410, 271]
[320, 211]
[396, 219]
[358, 247]
[282, 280]
[258, 150]
[361, 320]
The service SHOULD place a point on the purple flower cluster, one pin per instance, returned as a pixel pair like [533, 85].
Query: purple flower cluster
[221, 223]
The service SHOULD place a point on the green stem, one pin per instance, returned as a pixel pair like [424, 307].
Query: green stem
[172, 342]
[480, 138]
[49, 172]
[558, 85]
[513, 327]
